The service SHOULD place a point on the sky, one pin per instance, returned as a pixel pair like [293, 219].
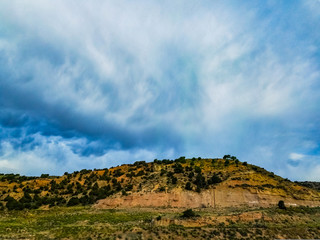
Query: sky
[95, 84]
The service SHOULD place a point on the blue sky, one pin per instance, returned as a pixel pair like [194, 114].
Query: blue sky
[94, 84]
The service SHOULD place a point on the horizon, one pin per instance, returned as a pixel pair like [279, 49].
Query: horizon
[87, 85]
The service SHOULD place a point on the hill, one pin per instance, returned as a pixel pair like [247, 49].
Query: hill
[182, 183]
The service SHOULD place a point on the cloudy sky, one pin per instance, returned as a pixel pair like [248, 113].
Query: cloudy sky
[94, 84]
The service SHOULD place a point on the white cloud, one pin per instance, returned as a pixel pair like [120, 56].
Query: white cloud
[296, 156]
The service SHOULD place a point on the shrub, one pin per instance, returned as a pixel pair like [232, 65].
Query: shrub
[73, 201]
[140, 173]
[26, 198]
[13, 204]
[189, 213]
[170, 174]
[281, 205]
[214, 179]
[178, 168]
[245, 164]
[188, 169]
[162, 172]
[129, 187]
[188, 186]
[124, 193]
[140, 163]
[117, 173]
[181, 160]
[226, 163]
[157, 161]
[174, 180]
[200, 181]
[197, 169]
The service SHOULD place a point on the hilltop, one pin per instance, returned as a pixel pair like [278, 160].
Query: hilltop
[181, 183]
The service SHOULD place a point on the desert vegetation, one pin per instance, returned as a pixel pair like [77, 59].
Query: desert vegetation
[85, 187]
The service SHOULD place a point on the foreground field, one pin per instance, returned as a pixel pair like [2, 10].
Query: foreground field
[90, 223]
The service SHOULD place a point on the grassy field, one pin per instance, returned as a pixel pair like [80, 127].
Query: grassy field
[89, 223]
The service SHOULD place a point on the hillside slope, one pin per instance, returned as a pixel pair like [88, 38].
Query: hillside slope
[180, 183]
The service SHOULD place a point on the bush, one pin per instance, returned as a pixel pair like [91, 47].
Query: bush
[189, 213]
[200, 181]
[181, 160]
[140, 164]
[178, 168]
[140, 173]
[214, 179]
[197, 169]
[13, 204]
[124, 193]
[188, 186]
[157, 161]
[73, 201]
[281, 205]
[226, 163]
[129, 187]
[162, 172]
[174, 180]
[117, 173]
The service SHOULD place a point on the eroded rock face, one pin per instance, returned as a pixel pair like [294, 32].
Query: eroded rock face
[219, 197]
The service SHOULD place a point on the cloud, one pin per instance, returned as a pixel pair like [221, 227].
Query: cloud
[86, 84]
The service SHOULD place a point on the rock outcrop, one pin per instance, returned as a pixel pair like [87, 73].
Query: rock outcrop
[221, 196]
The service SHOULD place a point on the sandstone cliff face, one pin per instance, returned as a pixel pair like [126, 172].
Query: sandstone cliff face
[222, 196]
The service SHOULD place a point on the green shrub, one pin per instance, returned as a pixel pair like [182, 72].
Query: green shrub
[178, 168]
[162, 172]
[181, 160]
[214, 179]
[200, 181]
[73, 201]
[281, 205]
[117, 173]
[174, 180]
[189, 213]
[227, 162]
[13, 204]
[197, 169]
[140, 173]
[188, 186]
